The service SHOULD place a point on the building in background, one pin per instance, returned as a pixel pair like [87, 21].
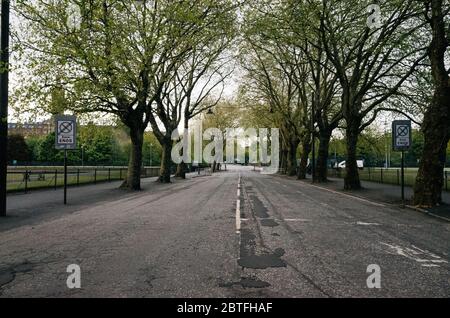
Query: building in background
[31, 129]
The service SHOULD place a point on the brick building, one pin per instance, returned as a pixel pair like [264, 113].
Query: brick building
[31, 129]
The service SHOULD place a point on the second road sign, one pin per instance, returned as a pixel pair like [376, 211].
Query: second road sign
[66, 132]
[401, 135]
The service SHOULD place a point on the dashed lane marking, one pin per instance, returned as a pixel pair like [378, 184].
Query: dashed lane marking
[238, 207]
[364, 223]
[297, 220]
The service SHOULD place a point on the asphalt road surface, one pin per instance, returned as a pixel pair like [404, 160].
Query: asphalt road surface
[234, 234]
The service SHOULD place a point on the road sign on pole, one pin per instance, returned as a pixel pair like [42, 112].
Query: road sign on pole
[66, 132]
[401, 135]
[65, 139]
[402, 141]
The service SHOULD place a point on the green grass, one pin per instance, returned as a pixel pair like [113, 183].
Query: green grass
[16, 182]
[388, 176]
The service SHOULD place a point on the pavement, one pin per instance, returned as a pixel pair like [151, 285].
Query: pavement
[236, 233]
[391, 194]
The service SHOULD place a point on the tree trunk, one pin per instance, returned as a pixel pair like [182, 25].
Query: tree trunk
[133, 179]
[291, 167]
[436, 124]
[283, 161]
[306, 150]
[181, 170]
[182, 167]
[322, 158]
[435, 127]
[166, 161]
[429, 180]
[351, 180]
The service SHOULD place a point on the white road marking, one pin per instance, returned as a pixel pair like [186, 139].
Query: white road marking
[348, 195]
[424, 257]
[238, 216]
[297, 220]
[424, 251]
[364, 223]
[430, 265]
[238, 207]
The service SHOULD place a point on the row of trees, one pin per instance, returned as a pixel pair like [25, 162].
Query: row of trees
[310, 67]
[315, 66]
[374, 146]
[150, 63]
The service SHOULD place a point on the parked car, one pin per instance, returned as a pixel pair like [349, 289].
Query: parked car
[341, 165]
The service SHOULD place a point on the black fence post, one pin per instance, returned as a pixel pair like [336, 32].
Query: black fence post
[78, 177]
[446, 180]
[56, 178]
[381, 173]
[26, 180]
[95, 176]
[120, 174]
[109, 174]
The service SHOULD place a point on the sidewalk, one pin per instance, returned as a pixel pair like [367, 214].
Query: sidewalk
[386, 193]
[45, 204]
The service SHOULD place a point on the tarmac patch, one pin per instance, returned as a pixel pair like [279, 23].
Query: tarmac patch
[269, 223]
[264, 260]
[260, 209]
[7, 275]
[247, 282]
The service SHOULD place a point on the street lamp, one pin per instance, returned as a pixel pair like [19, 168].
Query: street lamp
[150, 154]
[4, 64]
[82, 155]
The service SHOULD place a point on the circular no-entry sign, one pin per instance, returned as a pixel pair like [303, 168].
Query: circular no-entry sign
[402, 131]
[65, 127]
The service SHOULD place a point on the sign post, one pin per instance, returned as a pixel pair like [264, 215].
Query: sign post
[65, 176]
[65, 139]
[4, 73]
[402, 141]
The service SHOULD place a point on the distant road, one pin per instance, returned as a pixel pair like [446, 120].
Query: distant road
[208, 237]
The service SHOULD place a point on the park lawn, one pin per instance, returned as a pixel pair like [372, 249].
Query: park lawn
[391, 176]
[15, 182]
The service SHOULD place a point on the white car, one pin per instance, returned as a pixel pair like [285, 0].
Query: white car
[360, 164]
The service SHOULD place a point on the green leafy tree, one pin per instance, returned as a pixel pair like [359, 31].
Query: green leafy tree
[371, 63]
[18, 149]
[436, 122]
[47, 152]
[33, 144]
[152, 150]
[115, 59]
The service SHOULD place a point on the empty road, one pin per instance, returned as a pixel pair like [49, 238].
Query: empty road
[236, 233]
